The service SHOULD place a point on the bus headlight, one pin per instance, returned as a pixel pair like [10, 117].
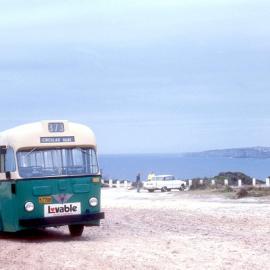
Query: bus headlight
[29, 207]
[93, 201]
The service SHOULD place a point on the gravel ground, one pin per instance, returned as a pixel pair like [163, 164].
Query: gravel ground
[173, 230]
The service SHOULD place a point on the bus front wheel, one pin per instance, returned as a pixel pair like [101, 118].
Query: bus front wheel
[76, 229]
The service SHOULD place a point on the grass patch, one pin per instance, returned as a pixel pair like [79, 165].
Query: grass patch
[252, 192]
[258, 192]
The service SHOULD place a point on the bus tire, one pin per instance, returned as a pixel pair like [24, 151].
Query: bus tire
[76, 229]
[151, 190]
[163, 189]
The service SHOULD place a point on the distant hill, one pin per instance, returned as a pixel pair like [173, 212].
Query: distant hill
[249, 152]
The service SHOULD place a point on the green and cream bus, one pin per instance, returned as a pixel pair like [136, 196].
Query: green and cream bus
[49, 177]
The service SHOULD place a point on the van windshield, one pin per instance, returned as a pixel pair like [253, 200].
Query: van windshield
[163, 178]
[57, 162]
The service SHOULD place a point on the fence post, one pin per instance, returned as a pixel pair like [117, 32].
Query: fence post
[213, 182]
[125, 184]
[226, 182]
[239, 182]
[190, 182]
[201, 182]
[267, 181]
[110, 182]
[118, 184]
[254, 182]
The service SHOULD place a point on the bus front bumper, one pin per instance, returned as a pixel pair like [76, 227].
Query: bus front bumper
[63, 220]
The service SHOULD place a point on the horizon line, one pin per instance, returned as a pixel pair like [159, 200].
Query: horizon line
[186, 152]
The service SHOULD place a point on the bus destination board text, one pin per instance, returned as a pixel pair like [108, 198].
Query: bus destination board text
[61, 139]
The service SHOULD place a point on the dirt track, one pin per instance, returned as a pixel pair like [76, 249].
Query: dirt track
[176, 230]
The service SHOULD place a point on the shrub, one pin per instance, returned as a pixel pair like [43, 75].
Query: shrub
[226, 189]
[242, 192]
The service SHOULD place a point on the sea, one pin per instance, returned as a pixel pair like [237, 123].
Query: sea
[126, 167]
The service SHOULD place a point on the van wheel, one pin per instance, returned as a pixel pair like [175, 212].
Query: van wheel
[76, 229]
[182, 188]
[164, 189]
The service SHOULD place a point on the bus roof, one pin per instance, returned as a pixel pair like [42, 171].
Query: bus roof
[48, 133]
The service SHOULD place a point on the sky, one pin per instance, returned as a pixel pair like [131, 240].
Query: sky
[147, 76]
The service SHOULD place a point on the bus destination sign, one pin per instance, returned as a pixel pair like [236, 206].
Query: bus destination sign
[62, 139]
[56, 127]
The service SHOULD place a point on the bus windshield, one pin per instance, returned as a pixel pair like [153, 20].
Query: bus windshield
[36, 162]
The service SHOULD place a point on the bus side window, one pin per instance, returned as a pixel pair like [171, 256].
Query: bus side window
[2, 158]
[2, 163]
[10, 165]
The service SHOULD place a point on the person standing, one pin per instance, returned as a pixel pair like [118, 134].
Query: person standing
[150, 176]
[138, 182]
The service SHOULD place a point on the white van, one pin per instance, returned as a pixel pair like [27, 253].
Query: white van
[164, 183]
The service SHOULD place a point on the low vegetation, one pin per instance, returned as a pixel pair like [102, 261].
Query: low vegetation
[257, 191]
[241, 193]
[232, 188]
[232, 178]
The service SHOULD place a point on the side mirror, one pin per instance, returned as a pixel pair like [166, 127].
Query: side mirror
[3, 149]
[8, 175]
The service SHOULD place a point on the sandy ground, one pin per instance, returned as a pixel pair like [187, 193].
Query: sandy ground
[173, 230]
